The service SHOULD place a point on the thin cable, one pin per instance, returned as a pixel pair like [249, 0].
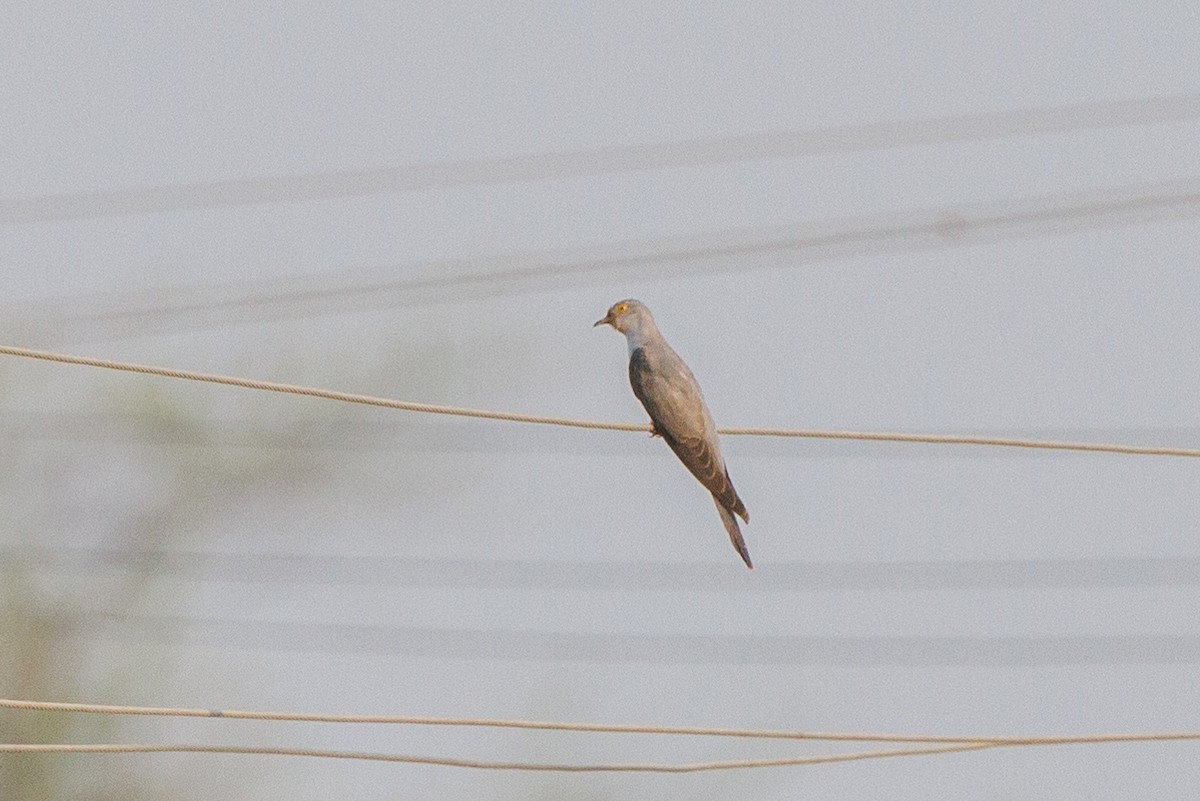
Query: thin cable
[786, 576]
[541, 647]
[614, 767]
[602, 728]
[617, 767]
[960, 439]
[602, 161]
[947, 227]
[312, 392]
[458, 411]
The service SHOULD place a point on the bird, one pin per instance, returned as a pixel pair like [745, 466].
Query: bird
[678, 414]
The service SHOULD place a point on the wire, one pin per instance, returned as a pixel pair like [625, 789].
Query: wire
[618, 767]
[943, 745]
[457, 411]
[602, 161]
[541, 646]
[934, 744]
[594, 728]
[947, 227]
[609, 575]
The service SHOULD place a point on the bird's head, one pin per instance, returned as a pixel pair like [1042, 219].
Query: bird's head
[626, 315]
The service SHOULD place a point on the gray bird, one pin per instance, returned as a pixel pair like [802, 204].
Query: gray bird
[668, 390]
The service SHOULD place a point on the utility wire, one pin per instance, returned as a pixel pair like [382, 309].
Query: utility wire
[735, 250]
[595, 728]
[615, 767]
[457, 411]
[931, 744]
[525, 645]
[294, 569]
[602, 161]
[954, 746]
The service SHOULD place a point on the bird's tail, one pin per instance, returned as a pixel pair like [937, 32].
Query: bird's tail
[735, 533]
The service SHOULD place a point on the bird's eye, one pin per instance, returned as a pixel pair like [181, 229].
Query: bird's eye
[621, 308]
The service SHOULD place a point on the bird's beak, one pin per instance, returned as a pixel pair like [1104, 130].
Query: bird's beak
[606, 321]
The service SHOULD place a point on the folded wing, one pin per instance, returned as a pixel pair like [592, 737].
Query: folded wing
[677, 409]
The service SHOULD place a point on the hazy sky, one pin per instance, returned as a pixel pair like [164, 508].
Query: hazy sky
[905, 217]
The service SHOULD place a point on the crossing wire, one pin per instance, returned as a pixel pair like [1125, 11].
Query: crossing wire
[919, 745]
[596, 728]
[615, 159]
[544, 767]
[355, 290]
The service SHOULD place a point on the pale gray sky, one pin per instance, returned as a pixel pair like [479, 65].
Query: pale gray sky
[312, 194]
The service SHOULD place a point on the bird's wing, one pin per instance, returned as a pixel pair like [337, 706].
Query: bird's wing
[677, 410]
[697, 456]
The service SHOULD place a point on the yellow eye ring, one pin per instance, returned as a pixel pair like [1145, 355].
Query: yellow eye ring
[621, 308]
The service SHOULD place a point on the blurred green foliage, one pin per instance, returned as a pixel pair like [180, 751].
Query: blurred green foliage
[157, 462]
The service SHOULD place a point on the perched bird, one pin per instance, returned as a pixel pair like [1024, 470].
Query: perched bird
[668, 390]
